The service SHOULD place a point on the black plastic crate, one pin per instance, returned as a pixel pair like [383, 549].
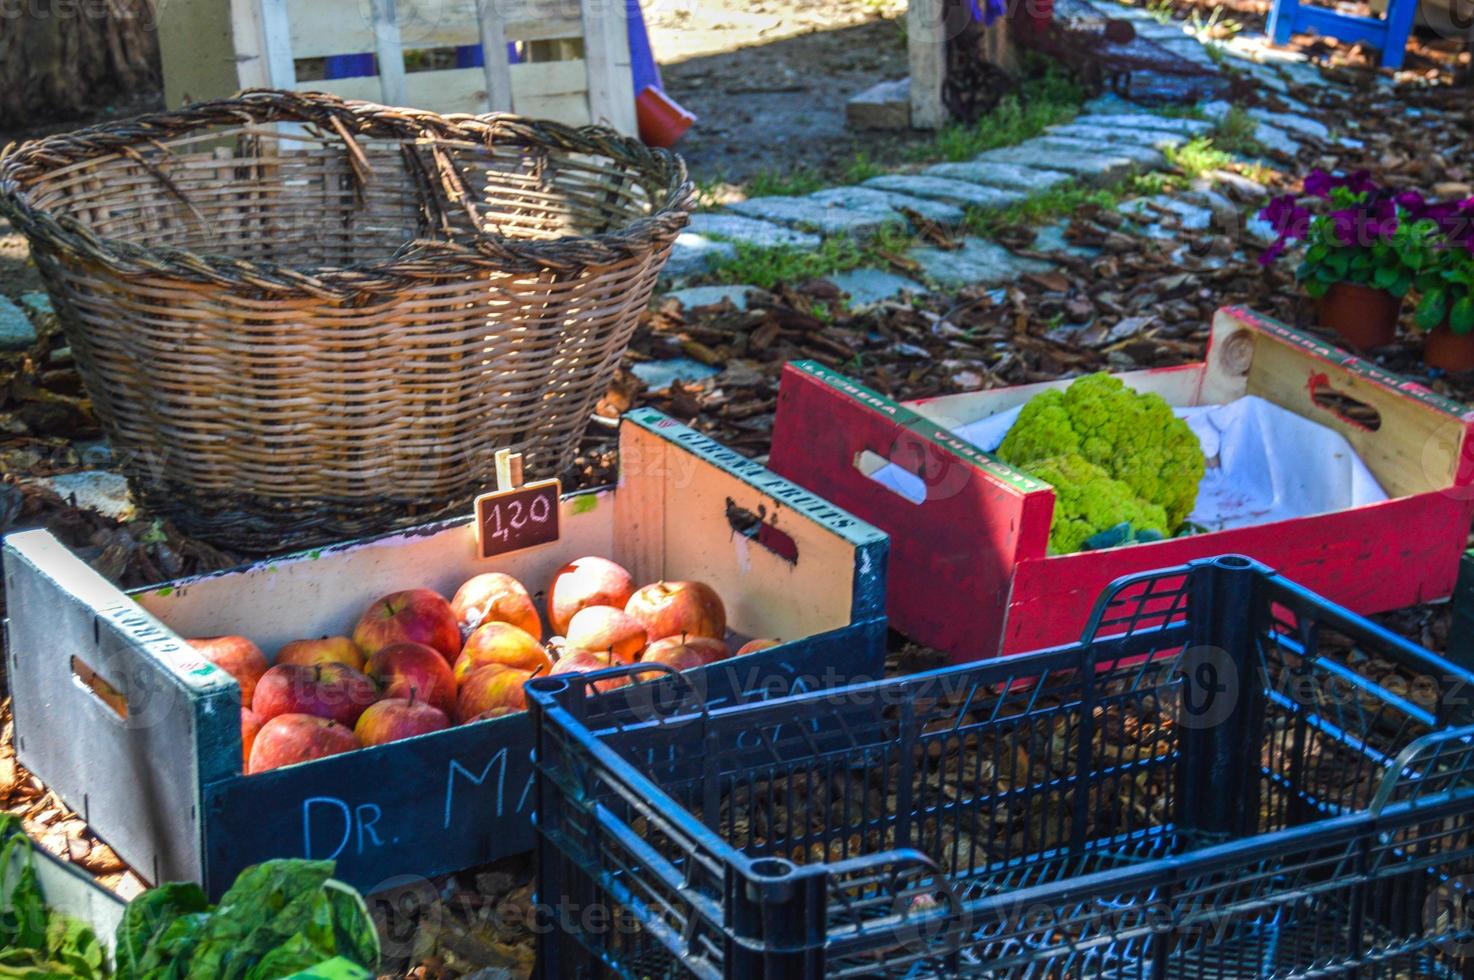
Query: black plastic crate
[1228, 777]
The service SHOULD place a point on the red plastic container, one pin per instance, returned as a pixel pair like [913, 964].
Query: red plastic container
[969, 570]
[662, 120]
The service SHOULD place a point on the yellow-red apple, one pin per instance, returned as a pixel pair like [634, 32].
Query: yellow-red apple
[753, 646]
[412, 616]
[238, 657]
[672, 608]
[325, 650]
[685, 652]
[495, 597]
[494, 688]
[585, 582]
[292, 738]
[607, 628]
[394, 718]
[250, 725]
[501, 643]
[403, 670]
[585, 661]
[334, 691]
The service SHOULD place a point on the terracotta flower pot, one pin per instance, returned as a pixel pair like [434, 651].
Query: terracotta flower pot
[1364, 316]
[1448, 350]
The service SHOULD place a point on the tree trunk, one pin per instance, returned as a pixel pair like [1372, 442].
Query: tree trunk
[61, 59]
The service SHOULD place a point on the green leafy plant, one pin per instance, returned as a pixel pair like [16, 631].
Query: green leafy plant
[1445, 282]
[35, 942]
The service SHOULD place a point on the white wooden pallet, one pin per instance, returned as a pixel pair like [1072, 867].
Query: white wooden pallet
[575, 66]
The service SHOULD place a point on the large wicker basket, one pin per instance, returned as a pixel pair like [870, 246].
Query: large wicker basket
[301, 318]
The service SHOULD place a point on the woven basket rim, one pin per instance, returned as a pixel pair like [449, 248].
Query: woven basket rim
[23, 163]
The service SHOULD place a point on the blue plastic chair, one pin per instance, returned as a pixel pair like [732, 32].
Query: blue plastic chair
[1388, 33]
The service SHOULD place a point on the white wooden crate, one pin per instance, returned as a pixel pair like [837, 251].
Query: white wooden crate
[575, 67]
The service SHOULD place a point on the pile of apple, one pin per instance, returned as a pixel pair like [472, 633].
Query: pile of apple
[417, 664]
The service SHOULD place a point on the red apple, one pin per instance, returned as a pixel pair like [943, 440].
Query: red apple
[395, 718]
[238, 657]
[607, 628]
[402, 670]
[672, 608]
[585, 661]
[292, 738]
[685, 652]
[494, 688]
[250, 725]
[586, 582]
[327, 650]
[495, 597]
[334, 691]
[753, 646]
[412, 616]
[501, 643]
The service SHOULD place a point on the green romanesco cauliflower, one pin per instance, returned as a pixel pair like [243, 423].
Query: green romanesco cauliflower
[1133, 437]
[1087, 501]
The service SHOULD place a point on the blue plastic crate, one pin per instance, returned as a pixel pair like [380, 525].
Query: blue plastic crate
[1227, 777]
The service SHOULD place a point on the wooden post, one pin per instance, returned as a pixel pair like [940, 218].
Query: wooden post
[390, 52]
[494, 57]
[926, 43]
[607, 52]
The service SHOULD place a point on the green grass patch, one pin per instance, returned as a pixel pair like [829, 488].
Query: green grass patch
[1235, 133]
[785, 183]
[1041, 208]
[1049, 96]
[1198, 156]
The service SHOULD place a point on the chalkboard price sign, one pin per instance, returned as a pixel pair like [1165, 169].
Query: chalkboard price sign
[510, 520]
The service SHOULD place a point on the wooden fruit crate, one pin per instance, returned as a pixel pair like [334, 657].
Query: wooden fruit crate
[159, 776]
[969, 572]
[574, 62]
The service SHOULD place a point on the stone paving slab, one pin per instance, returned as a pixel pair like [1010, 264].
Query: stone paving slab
[1192, 217]
[868, 285]
[805, 213]
[694, 253]
[1051, 240]
[1147, 120]
[711, 295]
[658, 375]
[977, 261]
[1006, 176]
[1095, 169]
[1296, 124]
[734, 227]
[16, 332]
[1158, 138]
[1143, 156]
[868, 198]
[959, 192]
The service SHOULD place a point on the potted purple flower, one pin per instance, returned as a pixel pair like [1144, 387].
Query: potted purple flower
[1364, 249]
[1445, 284]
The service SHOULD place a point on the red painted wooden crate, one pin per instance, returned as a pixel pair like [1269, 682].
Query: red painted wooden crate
[969, 573]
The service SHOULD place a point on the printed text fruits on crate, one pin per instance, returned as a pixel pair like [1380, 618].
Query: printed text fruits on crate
[501, 643]
[325, 650]
[395, 718]
[326, 690]
[289, 739]
[495, 597]
[604, 628]
[411, 616]
[587, 661]
[588, 581]
[672, 608]
[685, 652]
[491, 692]
[238, 657]
[404, 669]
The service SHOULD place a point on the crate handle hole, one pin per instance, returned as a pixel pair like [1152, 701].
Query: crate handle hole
[754, 527]
[110, 697]
[893, 476]
[1350, 410]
